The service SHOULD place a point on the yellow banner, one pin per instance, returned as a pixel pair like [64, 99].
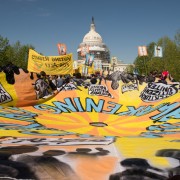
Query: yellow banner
[52, 65]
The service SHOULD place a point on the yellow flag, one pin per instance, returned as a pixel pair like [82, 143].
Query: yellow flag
[52, 65]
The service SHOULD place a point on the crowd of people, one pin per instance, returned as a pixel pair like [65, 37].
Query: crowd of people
[46, 84]
[56, 82]
[161, 77]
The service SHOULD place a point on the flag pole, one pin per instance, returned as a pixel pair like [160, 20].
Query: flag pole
[142, 51]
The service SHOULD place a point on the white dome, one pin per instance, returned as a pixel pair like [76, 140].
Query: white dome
[95, 45]
[92, 36]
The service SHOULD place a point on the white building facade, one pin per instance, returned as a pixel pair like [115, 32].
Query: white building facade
[94, 42]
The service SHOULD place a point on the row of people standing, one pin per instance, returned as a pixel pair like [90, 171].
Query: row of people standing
[45, 85]
[162, 77]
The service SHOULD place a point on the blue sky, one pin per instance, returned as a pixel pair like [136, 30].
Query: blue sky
[123, 24]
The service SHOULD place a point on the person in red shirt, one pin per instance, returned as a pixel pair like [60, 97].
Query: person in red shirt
[164, 74]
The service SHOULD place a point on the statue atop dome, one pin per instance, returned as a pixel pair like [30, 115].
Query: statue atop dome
[92, 20]
[92, 26]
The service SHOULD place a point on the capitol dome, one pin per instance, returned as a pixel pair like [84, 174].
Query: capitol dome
[94, 42]
[92, 36]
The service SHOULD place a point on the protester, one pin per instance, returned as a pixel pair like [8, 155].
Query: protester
[42, 86]
[52, 82]
[171, 78]
[151, 77]
[164, 74]
[78, 79]
[93, 79]
[60, 81]
[101, 77]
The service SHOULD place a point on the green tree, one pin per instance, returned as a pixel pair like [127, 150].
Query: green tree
[169, 61]
[15, 53]
[140, 65]
[20, 54]
[177, 38]
[171, 56]
[130, 68]
[4, 45]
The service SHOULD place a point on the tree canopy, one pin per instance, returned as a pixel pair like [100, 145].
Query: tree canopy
[169, 61]
[15, 53]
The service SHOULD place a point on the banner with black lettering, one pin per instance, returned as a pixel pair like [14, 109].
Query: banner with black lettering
[52, 65]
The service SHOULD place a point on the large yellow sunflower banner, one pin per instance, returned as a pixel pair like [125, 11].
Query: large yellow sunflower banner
[110, 130]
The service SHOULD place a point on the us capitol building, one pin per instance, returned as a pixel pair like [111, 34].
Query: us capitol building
[94, 42]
